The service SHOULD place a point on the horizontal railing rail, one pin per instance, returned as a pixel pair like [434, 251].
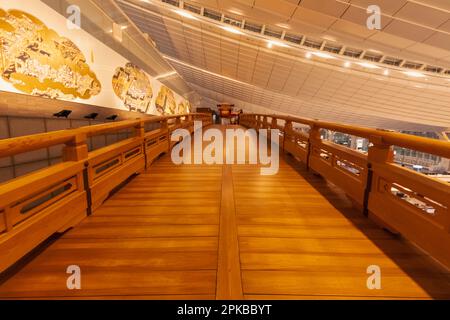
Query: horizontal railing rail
[402, 200]
[53, 199]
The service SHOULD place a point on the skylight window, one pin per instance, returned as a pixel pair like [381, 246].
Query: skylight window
[354, 53]
[212, 14]
[372, 56]
[412, 65]
[332, 48]
[392, 61]
[175, 3]
[312, 43]
[293, 38]
[433, 69]
[253, 27]
[192, 8]
[232, 21]
[272, 33]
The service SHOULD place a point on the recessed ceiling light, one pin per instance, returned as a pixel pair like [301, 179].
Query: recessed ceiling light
[184, 14]
[323, 55]
[386, 72]
[308, 55]
[347, 64]
[368, 65]
[232, 30]
[414, 74]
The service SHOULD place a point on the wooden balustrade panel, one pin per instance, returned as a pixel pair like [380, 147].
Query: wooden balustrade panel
[155, 145]
[344, 167]
[110, 166]
[413, 205]
[30, 206]
[36, 206]
[297, 144]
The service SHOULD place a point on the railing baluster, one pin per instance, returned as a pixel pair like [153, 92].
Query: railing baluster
[8, 221]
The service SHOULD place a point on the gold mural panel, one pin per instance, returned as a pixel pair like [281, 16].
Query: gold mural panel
[133, 87]
[38, 61]
[165, 102]
[184, 107]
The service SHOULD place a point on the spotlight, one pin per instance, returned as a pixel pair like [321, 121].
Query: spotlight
[113, 117]
[63, 114]
[91, 116]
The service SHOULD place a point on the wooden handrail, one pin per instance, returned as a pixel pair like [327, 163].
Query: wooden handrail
[13, 146]
[428, 145]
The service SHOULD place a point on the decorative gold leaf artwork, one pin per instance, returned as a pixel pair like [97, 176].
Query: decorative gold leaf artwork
[188, 107]
[37, 61]
[165, 102]
[184, 107]
[133, 87]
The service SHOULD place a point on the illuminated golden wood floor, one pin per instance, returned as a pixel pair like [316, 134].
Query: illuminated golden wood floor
[206, 232]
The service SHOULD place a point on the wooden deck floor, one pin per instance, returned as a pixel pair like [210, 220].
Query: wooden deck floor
[225, 231]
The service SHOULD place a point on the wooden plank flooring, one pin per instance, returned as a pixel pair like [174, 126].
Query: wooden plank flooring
[225, 231]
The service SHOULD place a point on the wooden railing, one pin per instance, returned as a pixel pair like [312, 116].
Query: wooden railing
[35, 206]
[400, 199]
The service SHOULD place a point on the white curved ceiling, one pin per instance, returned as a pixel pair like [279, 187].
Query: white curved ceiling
[239, 68]
[415, 28]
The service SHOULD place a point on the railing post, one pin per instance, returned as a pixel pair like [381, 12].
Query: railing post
[379, 152]
[165, 128]
[139, 132]
[76, 149]
[258, 122]
[190, 121]
[274, 123]
[287, 131]
[313, 139]
[139, 129]
[164, 125]
[264, 122]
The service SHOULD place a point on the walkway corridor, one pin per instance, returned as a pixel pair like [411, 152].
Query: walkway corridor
[225, 231]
